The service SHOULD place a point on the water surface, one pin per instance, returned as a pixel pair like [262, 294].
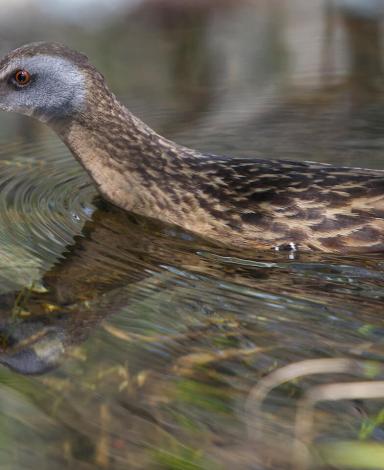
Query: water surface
[126, 343]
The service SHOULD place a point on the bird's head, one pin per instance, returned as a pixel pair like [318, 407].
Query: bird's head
[47, 81]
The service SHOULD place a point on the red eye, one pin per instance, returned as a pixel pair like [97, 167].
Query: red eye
[22, 77]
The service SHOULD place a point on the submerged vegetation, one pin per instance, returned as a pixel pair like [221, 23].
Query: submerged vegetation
[125, 343]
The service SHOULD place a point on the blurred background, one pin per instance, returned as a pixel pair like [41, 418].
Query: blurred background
[130, 345]
[287, 79]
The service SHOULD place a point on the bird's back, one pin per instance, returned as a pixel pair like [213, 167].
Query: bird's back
[295, 205]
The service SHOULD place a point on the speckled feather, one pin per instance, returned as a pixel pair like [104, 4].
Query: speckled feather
[245, 202]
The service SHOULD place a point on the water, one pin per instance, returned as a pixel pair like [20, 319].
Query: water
[126, 343]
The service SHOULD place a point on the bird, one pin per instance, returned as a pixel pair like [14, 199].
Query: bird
[247, 203]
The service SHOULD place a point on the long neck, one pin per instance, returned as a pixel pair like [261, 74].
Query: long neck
[134, 167]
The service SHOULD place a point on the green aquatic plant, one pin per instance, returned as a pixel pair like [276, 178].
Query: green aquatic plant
[182, 458]
[370, 424]
[353, 455]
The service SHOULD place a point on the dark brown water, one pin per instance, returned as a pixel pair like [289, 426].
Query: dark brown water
[129, 344]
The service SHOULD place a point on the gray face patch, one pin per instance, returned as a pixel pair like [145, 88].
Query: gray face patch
[56, 90]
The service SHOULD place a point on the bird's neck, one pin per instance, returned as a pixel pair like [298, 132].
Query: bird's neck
[132, 166]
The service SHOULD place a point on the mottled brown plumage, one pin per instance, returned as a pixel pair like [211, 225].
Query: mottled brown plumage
[244, 202]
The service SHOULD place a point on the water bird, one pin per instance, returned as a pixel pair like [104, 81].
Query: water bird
[243, 202]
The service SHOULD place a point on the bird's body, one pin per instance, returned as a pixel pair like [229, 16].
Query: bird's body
[249, 203]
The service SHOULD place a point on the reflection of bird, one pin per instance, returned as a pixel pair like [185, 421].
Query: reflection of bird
[250, 203]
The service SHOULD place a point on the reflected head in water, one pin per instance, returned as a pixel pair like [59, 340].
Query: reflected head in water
[128, 267]
[249, 203]
[32, 346]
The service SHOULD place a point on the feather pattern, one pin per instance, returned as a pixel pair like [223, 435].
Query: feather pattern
[253, 203]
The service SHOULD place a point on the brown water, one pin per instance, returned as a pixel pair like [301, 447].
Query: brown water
[130, 344]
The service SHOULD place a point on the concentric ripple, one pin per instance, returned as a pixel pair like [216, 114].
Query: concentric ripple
[45, 198]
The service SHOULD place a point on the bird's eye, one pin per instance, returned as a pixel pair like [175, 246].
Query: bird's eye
[22, 77]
